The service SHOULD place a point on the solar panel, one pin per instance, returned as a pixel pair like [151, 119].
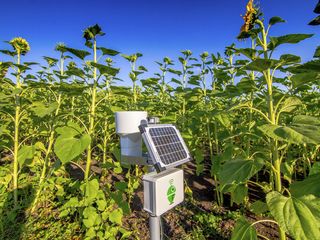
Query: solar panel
[165, 145]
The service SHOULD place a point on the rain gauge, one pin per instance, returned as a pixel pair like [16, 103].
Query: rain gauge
[163, 185]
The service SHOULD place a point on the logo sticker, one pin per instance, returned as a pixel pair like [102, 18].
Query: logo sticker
[171, 193]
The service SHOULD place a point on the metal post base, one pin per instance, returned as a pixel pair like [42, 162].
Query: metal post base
[154, 223]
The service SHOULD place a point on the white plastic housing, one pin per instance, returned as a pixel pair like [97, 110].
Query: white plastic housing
[158, 197]
[127, 126]
[128, 122]
[131, 145]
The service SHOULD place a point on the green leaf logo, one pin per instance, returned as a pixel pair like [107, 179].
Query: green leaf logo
[171, 193]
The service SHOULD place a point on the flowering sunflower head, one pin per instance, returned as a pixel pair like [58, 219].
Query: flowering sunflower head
[20, 45]
[251, 16]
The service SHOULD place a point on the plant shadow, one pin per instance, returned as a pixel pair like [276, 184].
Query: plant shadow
[13, 218]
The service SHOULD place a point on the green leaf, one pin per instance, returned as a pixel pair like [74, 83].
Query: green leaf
[78, 53]
[107, 51]
[142, 68]
[301, 79]
[290, 38]
[42, 110]
[223, 119]
[216, 166]
[64, 213]
[239, 193]
[311, 66]
[21, 67]
[310, 185]
[125, 206]
[72, 129]
[238, 171]
[72, 203]
[317, 52]
[176, 81]
[101, 205]
[67, 146]
[177, 72]
[91, 190]
[199, 158]
[51, 61]
[275, 20]
[287, 170]
[259, 207]
[244, 231]
[290, 59]
[9, 53]
[315, 169]
[298, 216]
[90, 233]
[105, 70]
[248, 52]
[261, 65]
[74, 71]
[122, 186]
[4, 130]
[91, 217]
[246, 85]
[315, 21]
[290, 104]
[304, 119]
[25, 153]
[125, 233]
[116, 216]
[297, 134]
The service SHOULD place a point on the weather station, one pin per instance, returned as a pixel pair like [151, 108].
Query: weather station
[164, 184]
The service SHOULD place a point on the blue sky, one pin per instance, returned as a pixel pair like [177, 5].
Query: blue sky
[155, 28]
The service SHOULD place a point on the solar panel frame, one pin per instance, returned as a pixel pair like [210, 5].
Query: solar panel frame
[157, 145]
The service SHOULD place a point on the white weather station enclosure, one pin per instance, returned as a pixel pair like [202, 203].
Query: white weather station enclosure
[164, 184]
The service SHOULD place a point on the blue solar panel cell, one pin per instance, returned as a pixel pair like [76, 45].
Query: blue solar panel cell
[168, 144]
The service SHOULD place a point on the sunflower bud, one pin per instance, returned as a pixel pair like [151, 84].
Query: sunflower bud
[204, 55]
[61, 47]
[20, 45]
[109, 60]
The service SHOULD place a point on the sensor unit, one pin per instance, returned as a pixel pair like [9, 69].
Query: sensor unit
[163, 191]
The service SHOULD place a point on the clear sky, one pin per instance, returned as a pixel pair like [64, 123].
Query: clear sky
[155, 28]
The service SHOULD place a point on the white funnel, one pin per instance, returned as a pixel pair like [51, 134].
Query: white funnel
[127, 126]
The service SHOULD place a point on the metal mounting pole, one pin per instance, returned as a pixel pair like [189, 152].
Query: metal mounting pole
[154, 222]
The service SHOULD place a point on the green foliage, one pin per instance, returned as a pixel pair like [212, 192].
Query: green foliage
[71, 142]
[308, 186]
[98, 214]
[297, 215]
[26, 153]
[290, 38]
[275, 20]
[238, 171]
[244, 230]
